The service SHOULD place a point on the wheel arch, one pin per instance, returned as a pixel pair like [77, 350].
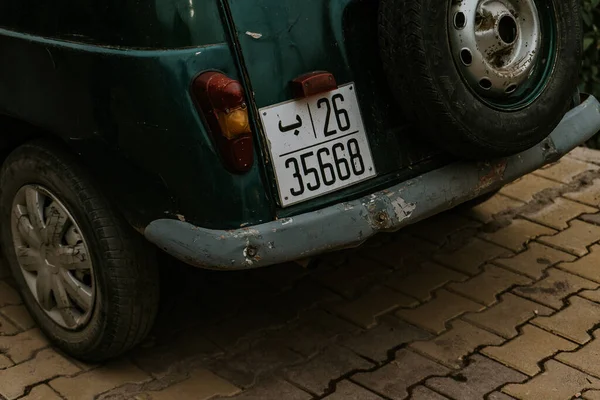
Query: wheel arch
[123, 189]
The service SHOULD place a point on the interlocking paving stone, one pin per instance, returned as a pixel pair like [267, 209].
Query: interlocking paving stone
[314, 330]
[273, 389]
[8, 295]
[591, 218]
[364, 310]
[288, 305]
[433, 315]
[484, 287]
[535, 260]
[591, 395]
[587, 266]
[258, 358]
[586, 358]
[481, 376]
[516, 235]
[592, 295]
[227, 333]
[282, 276]
[585, 154]
[589, 195]
[526, 187]
[471, 257]
[7, 327]
[524, 352]
[450, 347]
[565, 170]
[404, 252]
[423, 393]
[156, 358]
[390, 333]
[95, 382]
[426, 279]
[504, 317]
[5, 362]
[347, 390]
[331, 364]
[486, 211]
[557, 214]
[558, 382]
[438, 228]
[42, 392]
[46, 365]
[351, 279]
[574, 321]
[24, 345]
[201, 385]
[19, 316]
[393, 379]
[499, 396]
[553, 289]
[575, 239]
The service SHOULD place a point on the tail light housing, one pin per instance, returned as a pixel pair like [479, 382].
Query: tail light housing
[222, 102]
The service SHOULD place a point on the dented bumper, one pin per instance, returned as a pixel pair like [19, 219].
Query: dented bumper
[351, 223]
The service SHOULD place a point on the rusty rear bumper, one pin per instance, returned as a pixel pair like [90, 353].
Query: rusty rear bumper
[351, 223]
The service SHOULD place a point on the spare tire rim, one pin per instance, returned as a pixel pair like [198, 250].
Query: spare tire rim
[53, 256]
[503, 48]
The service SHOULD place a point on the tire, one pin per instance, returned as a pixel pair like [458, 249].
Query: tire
[116, 283]
[422, 66]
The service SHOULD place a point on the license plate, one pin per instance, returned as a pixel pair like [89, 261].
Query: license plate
[318, 145]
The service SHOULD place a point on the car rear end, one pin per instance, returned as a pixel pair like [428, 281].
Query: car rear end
[339, 158]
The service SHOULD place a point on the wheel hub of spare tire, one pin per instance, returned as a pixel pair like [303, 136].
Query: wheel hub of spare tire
[495, 44]
[53, 257]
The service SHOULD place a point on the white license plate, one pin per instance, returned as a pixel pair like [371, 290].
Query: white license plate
[318, 145]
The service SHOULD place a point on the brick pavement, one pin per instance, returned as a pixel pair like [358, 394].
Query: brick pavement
[501, 301]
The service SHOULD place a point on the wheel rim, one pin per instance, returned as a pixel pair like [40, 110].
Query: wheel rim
[53, 257]
[504, 49]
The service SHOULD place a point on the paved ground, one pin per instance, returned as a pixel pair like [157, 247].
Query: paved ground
[498, 302]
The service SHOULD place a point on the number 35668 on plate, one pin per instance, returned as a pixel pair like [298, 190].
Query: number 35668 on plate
[318, 145]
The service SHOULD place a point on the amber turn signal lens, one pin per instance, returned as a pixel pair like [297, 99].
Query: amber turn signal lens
[235, 123]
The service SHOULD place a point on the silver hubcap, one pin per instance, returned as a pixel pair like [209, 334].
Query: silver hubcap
[53, 256]
[495, 43]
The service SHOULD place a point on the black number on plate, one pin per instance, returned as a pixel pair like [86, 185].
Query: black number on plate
[342, 168]
[355, 157]
[297, 175]
[341, 115]
[340, 162]
[313, 171]
[326, 168]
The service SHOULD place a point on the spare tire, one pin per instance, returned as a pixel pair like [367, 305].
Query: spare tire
[482, 78]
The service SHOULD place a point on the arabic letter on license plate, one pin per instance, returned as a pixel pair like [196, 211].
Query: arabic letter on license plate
[318, 145]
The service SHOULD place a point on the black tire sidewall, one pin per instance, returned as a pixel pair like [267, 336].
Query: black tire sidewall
[40, 168]
[459, 120]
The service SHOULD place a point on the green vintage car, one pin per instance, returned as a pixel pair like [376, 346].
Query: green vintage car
[236, 134]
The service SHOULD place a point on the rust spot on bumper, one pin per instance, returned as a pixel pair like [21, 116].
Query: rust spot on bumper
[495, 174]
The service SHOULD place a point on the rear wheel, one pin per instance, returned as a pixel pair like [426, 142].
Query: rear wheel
[482, 77]
[87, 278]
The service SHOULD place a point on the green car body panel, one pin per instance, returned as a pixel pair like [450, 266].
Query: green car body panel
[112, 81]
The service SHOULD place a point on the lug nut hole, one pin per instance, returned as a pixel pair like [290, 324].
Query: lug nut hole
[466, 57]
[460, 20]
[510, 89]
[485, 83]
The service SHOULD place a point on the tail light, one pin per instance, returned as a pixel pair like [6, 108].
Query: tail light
[221, 100]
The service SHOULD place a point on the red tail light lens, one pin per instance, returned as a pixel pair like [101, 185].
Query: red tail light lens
[222, 102]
